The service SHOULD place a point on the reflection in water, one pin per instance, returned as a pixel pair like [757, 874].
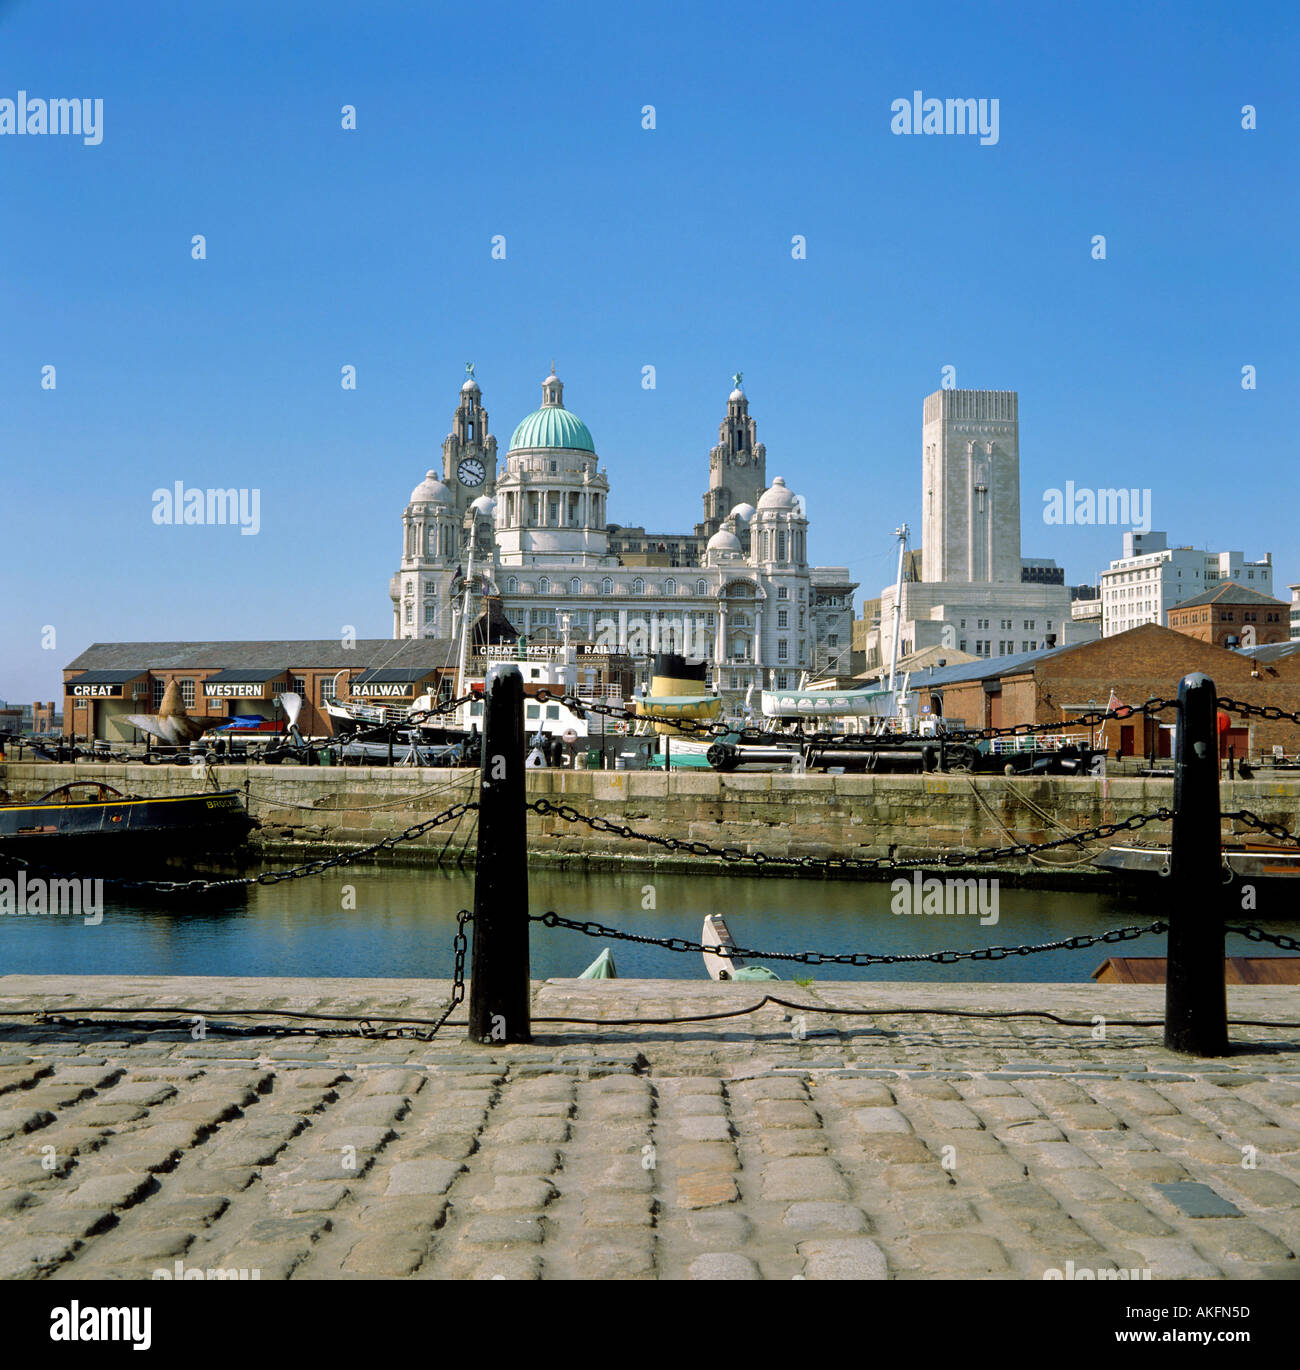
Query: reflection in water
[369, 921]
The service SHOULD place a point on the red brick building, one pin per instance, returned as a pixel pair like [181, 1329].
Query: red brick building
[1059, 685]
[1233, 611]
[221, 680]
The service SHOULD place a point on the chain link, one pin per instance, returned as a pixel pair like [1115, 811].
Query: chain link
[588, 928]
[1268, 711]
[1252, 933]
[733, 855]
[1252, 820]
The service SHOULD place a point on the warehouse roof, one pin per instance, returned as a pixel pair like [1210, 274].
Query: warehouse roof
[1228, 593]
[109, 677]
[982, 669]
[273, 656]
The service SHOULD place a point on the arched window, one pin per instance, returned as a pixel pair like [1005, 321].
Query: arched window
[780, 546]
[512, 586]
[670, 586]
[544, 586]
[701, 588]
[575, 586]
[607, 586]
[638, 586]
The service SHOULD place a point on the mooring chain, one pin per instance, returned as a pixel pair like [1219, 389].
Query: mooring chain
[1257, 934]
[418, 715]
[1253, 820]
[316, 867]
[1268, 711]
[854, 863]
[589, 928]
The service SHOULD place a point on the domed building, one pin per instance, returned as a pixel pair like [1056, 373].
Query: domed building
[737, 592]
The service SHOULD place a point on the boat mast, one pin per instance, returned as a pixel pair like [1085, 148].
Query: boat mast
[464, 623]
[901, 535]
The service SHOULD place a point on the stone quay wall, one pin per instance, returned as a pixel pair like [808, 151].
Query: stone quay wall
[306, 811]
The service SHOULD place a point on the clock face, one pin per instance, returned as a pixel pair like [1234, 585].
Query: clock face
[471, 472]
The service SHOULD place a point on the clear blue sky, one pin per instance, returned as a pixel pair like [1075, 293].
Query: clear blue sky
[625, 248]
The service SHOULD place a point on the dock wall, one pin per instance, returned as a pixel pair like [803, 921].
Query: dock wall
[307, 810]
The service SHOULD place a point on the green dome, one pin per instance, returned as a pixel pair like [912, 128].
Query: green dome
[552, 426]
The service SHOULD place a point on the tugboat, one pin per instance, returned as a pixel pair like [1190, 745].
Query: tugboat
[87, 824]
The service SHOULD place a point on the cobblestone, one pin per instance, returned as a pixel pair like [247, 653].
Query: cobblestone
[910, 1148]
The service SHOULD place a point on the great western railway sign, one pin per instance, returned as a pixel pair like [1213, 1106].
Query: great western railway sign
[72, 689]
[229, 689]
[384, 689]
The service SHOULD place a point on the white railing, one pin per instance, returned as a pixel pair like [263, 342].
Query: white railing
[1035, 742]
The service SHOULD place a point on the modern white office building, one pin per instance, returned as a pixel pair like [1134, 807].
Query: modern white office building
[1151, 577]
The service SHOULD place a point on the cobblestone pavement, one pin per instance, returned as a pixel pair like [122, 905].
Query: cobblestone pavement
[773, 1146]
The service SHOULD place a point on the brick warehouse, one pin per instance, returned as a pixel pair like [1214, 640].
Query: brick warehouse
[218, 680]
[1057, 685]
[1233, 611]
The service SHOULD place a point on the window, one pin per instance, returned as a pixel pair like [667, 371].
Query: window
[187, 693]
[961, 646]
[544, 586]
[833, 640]
[670, 586]
[327, 692]
[512, 586]
[430, 612]
[701, 588]
[607, 586]
[783, 593]
[638, 586]
[575, 586]
[783, 680]
[408, 616]
[782, 649]
[159, 689]
[298, 686]
[780, 546]
[552, 468]
[782, 618]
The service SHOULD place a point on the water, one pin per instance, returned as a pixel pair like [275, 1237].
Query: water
[403, 922]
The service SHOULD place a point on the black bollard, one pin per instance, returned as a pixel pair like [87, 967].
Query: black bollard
[499, 980]
[1196, 1002]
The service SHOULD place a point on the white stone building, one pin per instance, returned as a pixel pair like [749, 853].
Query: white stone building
[543, 544]
[1151, 577]
[976, 592]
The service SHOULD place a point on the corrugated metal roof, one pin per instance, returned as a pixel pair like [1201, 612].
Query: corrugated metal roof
[326, 652]
[980, 670]
[1272, 651]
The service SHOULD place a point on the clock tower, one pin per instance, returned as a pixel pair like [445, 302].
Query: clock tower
[469, 451]
[737, 465]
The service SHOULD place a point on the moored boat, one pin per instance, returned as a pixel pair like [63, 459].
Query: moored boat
[87, 823]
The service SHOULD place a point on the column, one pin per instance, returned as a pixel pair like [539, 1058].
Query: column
[758, 635]
[622, 630]
[720, 644]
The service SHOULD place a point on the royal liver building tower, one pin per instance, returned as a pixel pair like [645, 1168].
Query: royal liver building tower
[739, 593]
